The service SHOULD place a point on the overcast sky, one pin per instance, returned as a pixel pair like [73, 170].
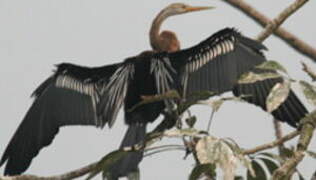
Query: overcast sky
[36, 34]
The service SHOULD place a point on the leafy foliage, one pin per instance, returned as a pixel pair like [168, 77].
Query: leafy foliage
[272, 65]
[277, 95]
[259, 172]
[309, 92]
[267, 162]
[202, 169]
[251, 77]
[226, 155]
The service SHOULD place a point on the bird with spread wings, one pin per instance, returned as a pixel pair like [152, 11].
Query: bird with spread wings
[77, 95]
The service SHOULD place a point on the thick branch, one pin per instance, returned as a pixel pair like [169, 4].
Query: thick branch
[308, 127]
[275, 23]
[282, 33]
[69, 175]
[273, 143]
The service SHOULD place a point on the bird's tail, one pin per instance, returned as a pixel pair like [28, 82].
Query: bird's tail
[135, 135]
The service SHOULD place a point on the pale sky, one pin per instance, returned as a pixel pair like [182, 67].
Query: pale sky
[36, 34]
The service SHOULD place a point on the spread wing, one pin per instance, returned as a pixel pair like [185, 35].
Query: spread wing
[216, 65]
[115, 93]
[70, 96]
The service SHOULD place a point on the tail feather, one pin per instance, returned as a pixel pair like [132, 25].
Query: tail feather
[135, 134]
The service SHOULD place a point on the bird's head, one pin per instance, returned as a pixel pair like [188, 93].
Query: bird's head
[181, 8]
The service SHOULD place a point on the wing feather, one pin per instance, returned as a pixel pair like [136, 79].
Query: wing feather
[69, 97]
[216, 65]
[115, 93]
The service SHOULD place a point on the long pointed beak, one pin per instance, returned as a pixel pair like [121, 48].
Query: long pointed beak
[199, 8]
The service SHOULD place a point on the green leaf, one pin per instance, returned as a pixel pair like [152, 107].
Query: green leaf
[200, 95]
[272, 65]
[277, 95]
[190, 121]
[245, 161]
[213, 150]
[172, 94]
[271, 165]
[251, 77]
[309, 92]
[216, 104]
[259, 171]
[272, 156]
[105, 163]
[193, 98]
[202, 169]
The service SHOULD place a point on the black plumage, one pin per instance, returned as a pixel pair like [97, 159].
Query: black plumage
[92, 96]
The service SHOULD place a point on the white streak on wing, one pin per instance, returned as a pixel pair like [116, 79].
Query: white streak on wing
[208, 57]
[219, 49]
[231, 44]
[193, 65]
[224, 47]
[211, 54]
[67, 82]
[116, 91]
[203, 60]
[160, 69]
[198, 60]
[215, 52]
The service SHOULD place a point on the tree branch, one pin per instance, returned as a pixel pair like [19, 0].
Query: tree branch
[69, 175]
[272, 144]
[293, 41]
[275, 23]
[307, 130]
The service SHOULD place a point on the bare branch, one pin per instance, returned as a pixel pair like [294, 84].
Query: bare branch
[273, 143]
[307, 130]
[69, 175]
[293, 41]
[274, 24]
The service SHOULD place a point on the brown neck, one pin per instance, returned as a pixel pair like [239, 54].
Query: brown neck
[155, 29]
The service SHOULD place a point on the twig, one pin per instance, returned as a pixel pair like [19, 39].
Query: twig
[308, 70]
[307, 130]
[293, 41]
[275, 23]
[210, 121]
[273, 143]
[278, 134]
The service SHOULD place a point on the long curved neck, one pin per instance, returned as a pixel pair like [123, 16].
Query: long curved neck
[155, 29]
